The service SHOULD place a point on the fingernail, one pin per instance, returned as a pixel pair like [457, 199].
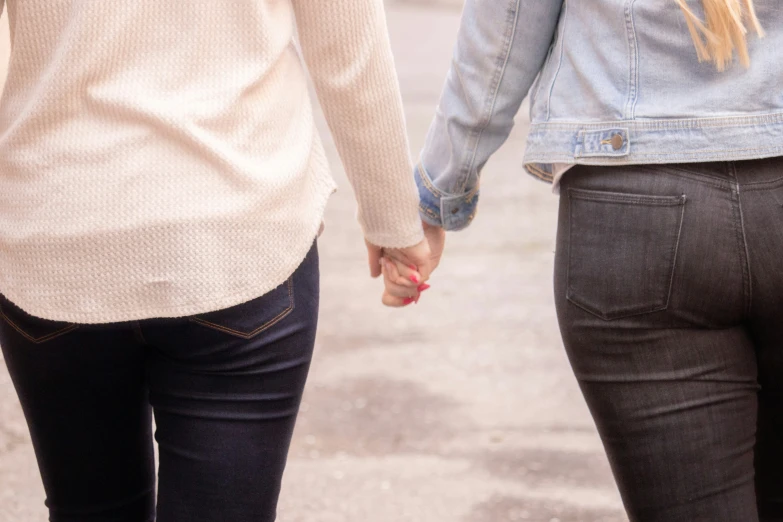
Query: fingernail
[412, 267]
[424, 287]
[414, 279]
[408, 300]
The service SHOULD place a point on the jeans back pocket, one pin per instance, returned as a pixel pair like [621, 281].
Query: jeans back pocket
[249, 319]
[622, 251]
[34, 329]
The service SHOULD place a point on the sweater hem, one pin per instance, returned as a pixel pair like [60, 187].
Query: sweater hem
[106, 307]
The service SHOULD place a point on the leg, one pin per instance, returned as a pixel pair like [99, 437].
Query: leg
[226, 389]
[83, 394]
[654, 331]
[676, 412]
[769, 446]
[763, 214]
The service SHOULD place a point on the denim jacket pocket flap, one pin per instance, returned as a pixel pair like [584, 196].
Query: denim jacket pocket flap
[249, 319]
[622, 251]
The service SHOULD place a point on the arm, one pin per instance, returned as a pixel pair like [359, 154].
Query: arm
[346, 46]
[500, 49]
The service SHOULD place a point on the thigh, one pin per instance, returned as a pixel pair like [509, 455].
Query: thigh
[763, 213]
[676, 412]
[226, 388]
[769, 444]
[83, 394]
[651, 318]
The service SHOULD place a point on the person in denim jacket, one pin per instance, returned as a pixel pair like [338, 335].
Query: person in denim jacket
[668, 284]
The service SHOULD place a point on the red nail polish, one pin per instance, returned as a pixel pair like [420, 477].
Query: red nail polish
[424, 287]
[412, 267]
[414, 279]
[408, 300]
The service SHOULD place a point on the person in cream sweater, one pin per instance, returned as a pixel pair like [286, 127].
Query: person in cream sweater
[162, 185]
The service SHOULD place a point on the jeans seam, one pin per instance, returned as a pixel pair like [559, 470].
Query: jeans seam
[752, 186]
[676, 252]
[617, 197]
[742, 243]
[139, 333]
[680, 170]
[673, 170]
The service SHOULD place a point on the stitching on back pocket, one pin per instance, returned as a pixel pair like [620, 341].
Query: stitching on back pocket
[599, 288]
[37, 340]
[267, 325]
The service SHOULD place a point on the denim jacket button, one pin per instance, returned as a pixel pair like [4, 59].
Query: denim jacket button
[617, 142]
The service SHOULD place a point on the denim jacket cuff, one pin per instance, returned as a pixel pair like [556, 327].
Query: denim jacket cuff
[444, 210]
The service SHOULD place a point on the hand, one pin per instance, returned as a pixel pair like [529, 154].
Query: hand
[405, 271]
[405, 279]
[436, 237]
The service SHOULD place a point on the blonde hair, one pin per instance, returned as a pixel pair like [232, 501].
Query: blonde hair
[723, 31]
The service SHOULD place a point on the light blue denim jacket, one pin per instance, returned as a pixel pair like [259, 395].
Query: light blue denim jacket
[611, 82]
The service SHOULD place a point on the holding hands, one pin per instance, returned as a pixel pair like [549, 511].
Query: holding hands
[406, 270]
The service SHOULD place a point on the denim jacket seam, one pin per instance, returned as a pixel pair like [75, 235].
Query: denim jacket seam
[427, 182]
[431, 213]
[633, 61]
[561, 41]
[441, 194]
[538, 173]
[547, 158]
[511, 30]
[461, 82]
[721, 151]
[667, 124]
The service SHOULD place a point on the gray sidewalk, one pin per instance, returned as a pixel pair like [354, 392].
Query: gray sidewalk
[462, 408]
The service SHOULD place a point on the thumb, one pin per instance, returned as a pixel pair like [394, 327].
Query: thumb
[420, 256]
[374, 255]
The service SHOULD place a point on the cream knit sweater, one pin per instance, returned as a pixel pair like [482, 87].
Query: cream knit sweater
[158, 158]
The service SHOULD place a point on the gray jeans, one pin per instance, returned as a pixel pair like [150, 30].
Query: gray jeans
[669, 289]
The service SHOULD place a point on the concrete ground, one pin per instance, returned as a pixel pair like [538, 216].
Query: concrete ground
[462, 408]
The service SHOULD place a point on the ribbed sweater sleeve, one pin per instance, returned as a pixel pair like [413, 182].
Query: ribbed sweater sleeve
[347, 50]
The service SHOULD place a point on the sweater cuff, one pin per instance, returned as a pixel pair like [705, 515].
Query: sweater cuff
[397, 230]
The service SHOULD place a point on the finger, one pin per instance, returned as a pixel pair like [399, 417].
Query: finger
[374, 254]
[402, 291]
[411, 277]
[392, 275]
[395, 284]
[408, 274]
[419, 256]
[396, 302]
[424, 266]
